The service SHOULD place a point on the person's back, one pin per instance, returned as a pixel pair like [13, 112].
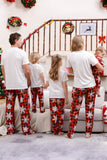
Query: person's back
[13, 59]
[81, 62]
[36, 70]
[37, 81]
[55, 87]
[16, 73]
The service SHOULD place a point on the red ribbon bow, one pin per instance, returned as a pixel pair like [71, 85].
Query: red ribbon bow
[102, 39]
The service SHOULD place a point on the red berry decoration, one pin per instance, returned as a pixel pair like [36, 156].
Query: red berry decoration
[10, 0]
[28, 3]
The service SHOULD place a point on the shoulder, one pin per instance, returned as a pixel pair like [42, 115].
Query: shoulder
[62, 71]
[39, 66]
[21, 51]
[70, 54]
[89, 54]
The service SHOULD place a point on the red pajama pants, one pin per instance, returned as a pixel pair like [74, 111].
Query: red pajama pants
[77, 94]
[37, 91]
[23, 98]
[57, 114]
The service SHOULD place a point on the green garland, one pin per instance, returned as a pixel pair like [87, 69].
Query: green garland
[28, 3]
[2, 85]
[15, 21]
[68, 28]
[104, 3]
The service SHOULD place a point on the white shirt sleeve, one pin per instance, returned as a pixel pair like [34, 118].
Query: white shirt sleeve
[25, 58]
[41, 69]
[64, 76]
[47, 76]
[93, 60]
[68, 65]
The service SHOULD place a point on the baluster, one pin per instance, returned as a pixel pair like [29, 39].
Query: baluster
[55, 36]
[96, 33]
[33, 42]
[44, 41]
[38, 41]
[60, 37]
[49, 39]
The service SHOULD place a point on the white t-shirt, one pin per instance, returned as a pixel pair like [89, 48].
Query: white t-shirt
[36, 70]
[81, 62]
[56, 89]
[12, 60]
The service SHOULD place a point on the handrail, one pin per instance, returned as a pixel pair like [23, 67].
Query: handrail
[63, 20]
[57, 40]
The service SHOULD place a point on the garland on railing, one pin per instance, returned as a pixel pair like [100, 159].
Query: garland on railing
[104, 3]
[49, 23]
[28, 3]
[36, 31]
[24, 41]
[68, 28]
[11, 1]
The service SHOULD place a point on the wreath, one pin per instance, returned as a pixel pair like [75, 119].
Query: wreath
[68, 28]
[28, 3]
[1, 50]
[15, 21]
[104, 3]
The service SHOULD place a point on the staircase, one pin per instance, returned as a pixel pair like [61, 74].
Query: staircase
[49, 37]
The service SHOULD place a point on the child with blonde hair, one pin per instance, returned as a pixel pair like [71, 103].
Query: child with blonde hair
[37, 81]
[99, 53]
[58, 93]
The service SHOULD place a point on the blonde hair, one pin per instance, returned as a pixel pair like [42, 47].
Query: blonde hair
[34, 57]
[77, 43]
[54, 70]
[99, 49]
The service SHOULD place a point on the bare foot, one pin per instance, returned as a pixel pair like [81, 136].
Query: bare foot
[87, 136]
[98, 95]
[98, 92]
[66, 136]
[32, 132]
[60, 133]
[10, 133]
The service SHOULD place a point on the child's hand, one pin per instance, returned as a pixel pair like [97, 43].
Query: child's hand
[44, 86]
[98, 92]
[66, 101]
[28, 83]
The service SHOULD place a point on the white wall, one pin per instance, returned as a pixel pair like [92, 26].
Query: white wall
[43, 11]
